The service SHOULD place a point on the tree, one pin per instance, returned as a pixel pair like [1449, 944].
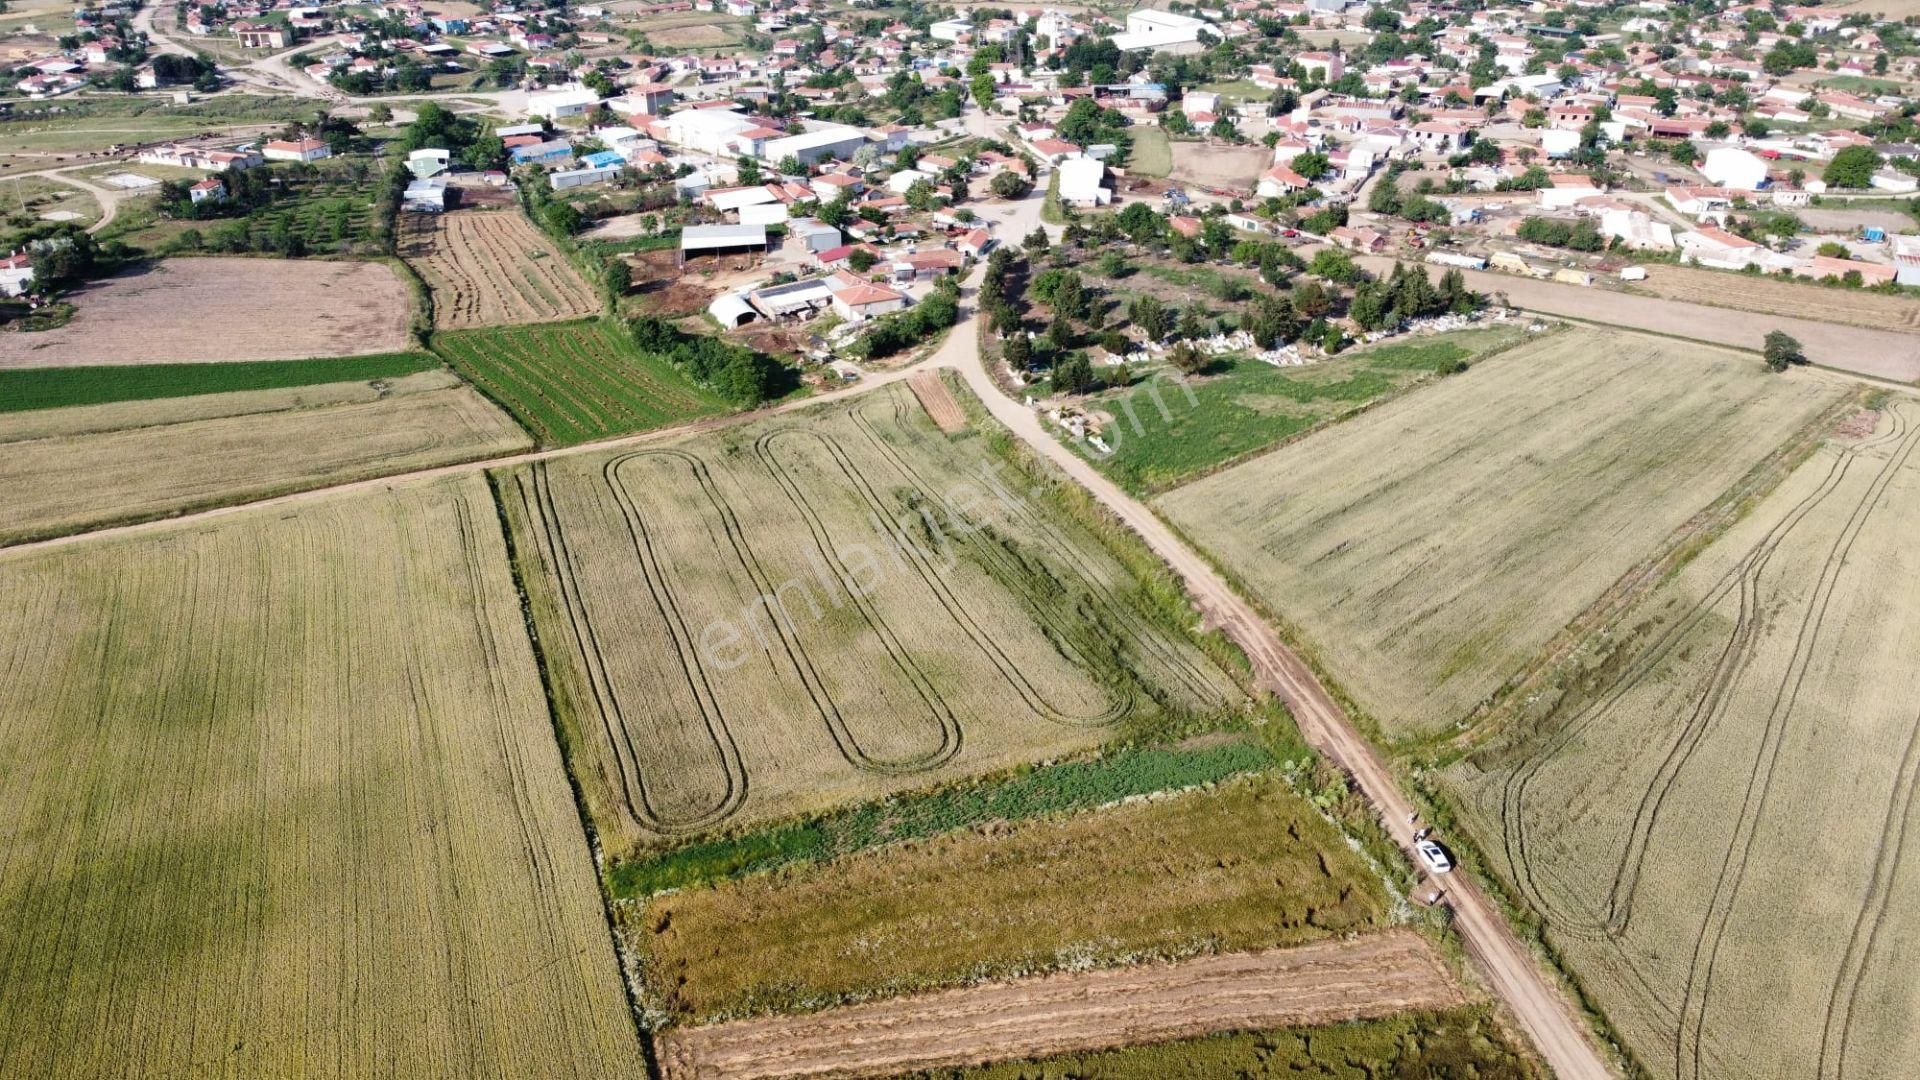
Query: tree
[1852, 167]
[1333, 264]
[749, 170]
[381, 113]
[1781, 351]
[1036, 241]
[1186, 359]
[1007, 184]
[1310, 165]
[1151, 316]
[1073, 374]
[862, 260]
[561, 218]
[791, 165]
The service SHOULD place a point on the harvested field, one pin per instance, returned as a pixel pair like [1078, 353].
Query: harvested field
[162, 412]
[1412, 547]
[1467, 1042]
[775, 618]
[935, 398]
[574, 382]
[1772, 296]
[216, 309]
[1210, 165]
[282, 799]
[488, 267]
[1711, 817]
[68, 482]
[691, 37]
[1371, 976]
[1247, 865]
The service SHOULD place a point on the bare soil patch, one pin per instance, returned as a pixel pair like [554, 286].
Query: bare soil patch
[1218, 166]
[937, 401]
[489, 267]
[1368, 977]
[220, 309]
[690, 36]
[665, 289]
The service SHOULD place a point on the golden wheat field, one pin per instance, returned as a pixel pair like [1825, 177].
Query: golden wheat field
[283, 799]
[1427, 550]
[1713, 821]
[837, 604]
[193, 454]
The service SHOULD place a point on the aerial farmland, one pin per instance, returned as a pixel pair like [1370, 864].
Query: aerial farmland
[745, 540]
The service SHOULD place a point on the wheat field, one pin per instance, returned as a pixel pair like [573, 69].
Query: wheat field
[1427, 550]
[283, 799]
[1713, 821]
[775, 618]
[202, 454]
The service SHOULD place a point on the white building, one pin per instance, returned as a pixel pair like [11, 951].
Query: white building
[950, 29]
[1732, 167]
[570, 100]
[1906, 259]
[710, 131]
[1080, 183]
[1162, 31]
[836, 141]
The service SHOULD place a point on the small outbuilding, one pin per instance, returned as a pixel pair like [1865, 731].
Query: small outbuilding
[719, 240]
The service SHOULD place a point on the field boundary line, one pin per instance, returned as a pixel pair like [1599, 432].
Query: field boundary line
[1367, 977]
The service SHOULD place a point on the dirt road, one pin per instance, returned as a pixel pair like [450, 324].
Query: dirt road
[1371, 976]
[1507, 965]
[1879, 353]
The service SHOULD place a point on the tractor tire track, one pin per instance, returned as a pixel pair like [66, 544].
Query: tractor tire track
[1689, 1041]
[639, 799]
[922, 569]
[1112, 610]
[1867, 924]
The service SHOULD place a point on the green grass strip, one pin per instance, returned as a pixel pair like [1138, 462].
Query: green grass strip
[27, 389]
[1053, 789]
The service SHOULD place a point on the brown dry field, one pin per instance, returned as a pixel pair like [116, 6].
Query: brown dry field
[69, 482]
[216, 309]
[938, 402]
[1772, 296]
[1884, 354]
[1218, 166]
[689, 36]
[488, 267]
[1364, 978]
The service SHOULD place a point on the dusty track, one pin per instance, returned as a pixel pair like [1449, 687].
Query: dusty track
[1371, 976]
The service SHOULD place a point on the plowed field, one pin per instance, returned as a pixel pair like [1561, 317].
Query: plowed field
[1370, 976]
[487, 267]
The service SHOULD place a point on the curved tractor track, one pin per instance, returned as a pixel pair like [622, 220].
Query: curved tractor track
[1110, 611]
[922, 565]
[1741, 586]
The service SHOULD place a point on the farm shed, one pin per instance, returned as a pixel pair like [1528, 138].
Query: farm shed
[731, 310]
[426, 196]
[573, 178]
[721, 240]
[793, 298]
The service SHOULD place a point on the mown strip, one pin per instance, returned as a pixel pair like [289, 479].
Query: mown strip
[26, 389]
[1053, 789]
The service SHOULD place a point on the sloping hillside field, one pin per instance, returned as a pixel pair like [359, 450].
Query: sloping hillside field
[1715, 821]
[1427, 550]
[783, 616]
[282, 799]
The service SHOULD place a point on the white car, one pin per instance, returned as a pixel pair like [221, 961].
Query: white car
[1434, 856]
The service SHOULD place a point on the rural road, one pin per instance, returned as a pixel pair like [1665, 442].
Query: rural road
[1508, 966]
[1882, 354]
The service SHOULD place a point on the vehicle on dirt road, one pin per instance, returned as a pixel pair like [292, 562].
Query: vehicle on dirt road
[1434, 856]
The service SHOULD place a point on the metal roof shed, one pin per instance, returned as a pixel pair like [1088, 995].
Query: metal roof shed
[716, 239]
